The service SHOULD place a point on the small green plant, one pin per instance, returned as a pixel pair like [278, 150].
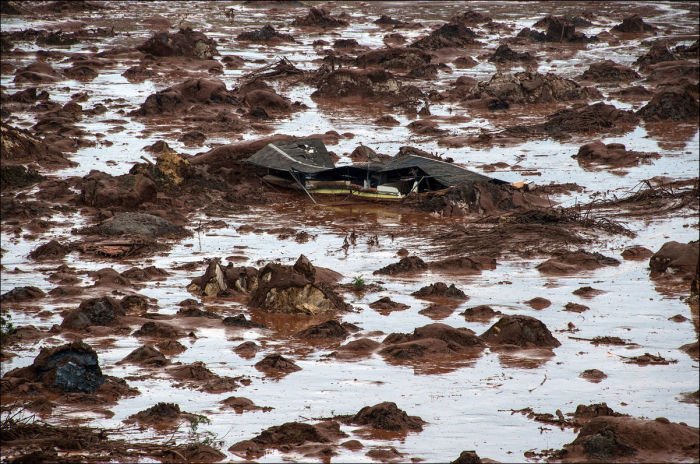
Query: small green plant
[359, 283]
[6, 327]
[205, 437]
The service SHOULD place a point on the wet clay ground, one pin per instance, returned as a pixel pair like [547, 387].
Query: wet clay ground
[162, 303]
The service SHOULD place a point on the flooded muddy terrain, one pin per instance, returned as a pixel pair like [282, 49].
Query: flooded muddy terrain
[166, 300]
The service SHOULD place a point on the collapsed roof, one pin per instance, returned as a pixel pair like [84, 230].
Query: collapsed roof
[310, 157]
[303, 155]
[443, 172]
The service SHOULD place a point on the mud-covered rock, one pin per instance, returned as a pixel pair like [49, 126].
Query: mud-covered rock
[139, 224]
[504, 54]
[576, 261]
[158, 329]
[616, 438]
[609, 71]
[20, 146]
[360, 83]
[530, 87]
[185, 42]
[266, 34]
[276, 364]
[37, 72]
[480, 313]
[387, 416]
[633, 24]
[676, 257]
[538, 303]
[52, 250]
[581, 119]
[146, 355]
[386, 305]
[430, 341]
[393, 58]
[405, 265]
[180, 97]
[471, 18]
[72, 367]
[467, 457]
[290, 436]
[240, 321]
[101, 190]
[522, 331]
[105, 311]
[657, 53]
[612, 154]
[20, 294]
[448, 35]
[325, 330]
[440, 290]
[161, 415]
[289, 289]
[319, 17]
[561, 29]
[18, 176]
[673, 104]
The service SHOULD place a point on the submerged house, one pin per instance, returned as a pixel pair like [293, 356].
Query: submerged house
[306, 164]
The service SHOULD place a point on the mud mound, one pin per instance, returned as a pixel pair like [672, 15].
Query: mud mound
[319, 17]
[276, 365]
[636, 252]
[20, 146]
[658, 53]
[576, 261]
[447, 36]
[182, 96]
[387, 416]
[294, 289]
[561, 29]
[672, 104]
[431, 340]
[531, 87]
[160, 415]
[440, 290]
[385, 20]
[409, 264]
[101, 190]
[239, 320]
[37, 72]
[104, 311]
[158, 330]
[475, 198]
[393, 58]
[267, 100]
[471, 18]
[465, 264]
[146, 355]
[612, 154]
[679, 258]
[240, 404]
[73, 367]
[20, 294]
[199, 377]
[586, 119]
[467, 457]
[609, 71]
[481, 313]
[185, 42]
[504, 54]
[593, 375]
[266, 34]
[614, 438]
[633, 24]
[539, 303]
[52, 250]
[145, 274]
[328, 329]
[523, 331]
[18, 176]
[139, 224]
[675, 74]
[386, 306]
[345, 83]
[291, 436]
